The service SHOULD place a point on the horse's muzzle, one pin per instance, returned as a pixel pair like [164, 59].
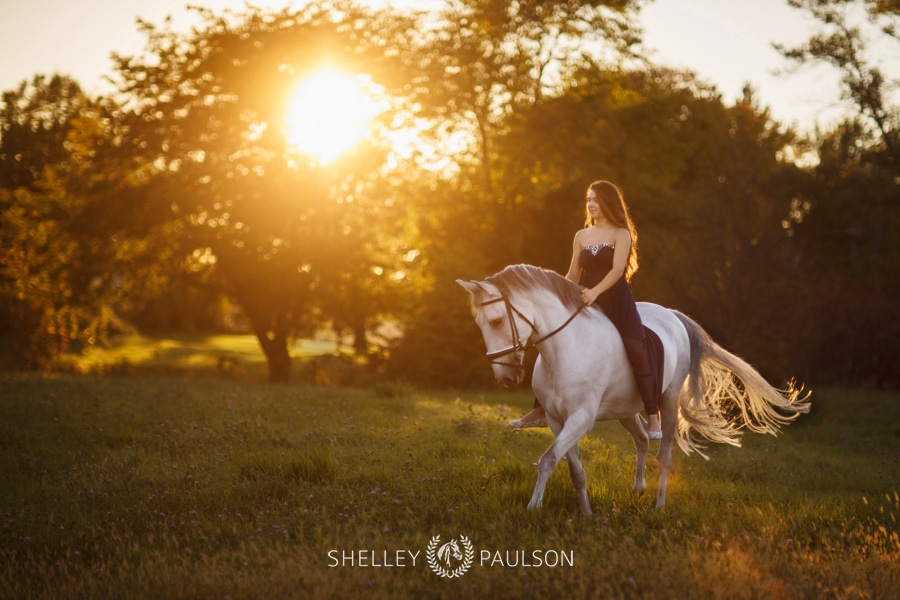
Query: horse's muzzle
[509, 378]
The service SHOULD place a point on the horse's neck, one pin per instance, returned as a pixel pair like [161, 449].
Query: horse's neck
[549, 314]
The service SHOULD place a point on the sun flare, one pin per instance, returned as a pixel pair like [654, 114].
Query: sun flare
[329, 113]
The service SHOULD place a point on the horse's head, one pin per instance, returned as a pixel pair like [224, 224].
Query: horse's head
[504, 328]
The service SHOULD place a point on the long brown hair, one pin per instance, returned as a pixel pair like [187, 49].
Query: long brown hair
[612, 203]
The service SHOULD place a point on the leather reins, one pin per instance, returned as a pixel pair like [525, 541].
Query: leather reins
[517, 345]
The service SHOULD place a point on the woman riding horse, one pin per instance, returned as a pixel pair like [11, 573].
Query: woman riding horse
[605, 252]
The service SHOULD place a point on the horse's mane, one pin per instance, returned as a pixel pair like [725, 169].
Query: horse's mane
[525, 278]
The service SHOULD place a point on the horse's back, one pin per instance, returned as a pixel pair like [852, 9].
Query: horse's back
[674, 338]
[661, 320]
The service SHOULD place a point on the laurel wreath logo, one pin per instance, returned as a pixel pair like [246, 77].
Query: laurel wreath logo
[434, 558]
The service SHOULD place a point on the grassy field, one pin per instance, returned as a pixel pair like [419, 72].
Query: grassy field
[191, 355]
[126, 487]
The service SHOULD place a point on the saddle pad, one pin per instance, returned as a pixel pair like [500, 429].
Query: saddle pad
[656, 358]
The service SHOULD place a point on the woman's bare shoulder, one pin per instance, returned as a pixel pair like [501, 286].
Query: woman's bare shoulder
[622, 235]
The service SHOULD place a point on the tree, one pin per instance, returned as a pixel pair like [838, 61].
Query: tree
[214, 184]
[844, 230]
[483, 61]
[844, 43]
[845, 221]
[55, 285]
[35, 122]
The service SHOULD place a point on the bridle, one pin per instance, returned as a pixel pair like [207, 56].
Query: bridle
[517, 345]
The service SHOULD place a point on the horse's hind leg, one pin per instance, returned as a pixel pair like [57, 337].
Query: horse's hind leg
[664, 457]
[579, 479]
[642, 445]
[664, 454]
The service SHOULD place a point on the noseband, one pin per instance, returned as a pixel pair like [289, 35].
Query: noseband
[518, 345]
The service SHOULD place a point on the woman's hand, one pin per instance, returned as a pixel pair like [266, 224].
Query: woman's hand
[588, 295]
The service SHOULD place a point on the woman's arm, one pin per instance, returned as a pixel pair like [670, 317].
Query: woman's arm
[574, 274]
[620, 259]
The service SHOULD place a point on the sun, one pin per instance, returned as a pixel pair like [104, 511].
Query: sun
[329, 113]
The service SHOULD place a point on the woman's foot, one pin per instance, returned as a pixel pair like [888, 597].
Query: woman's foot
[653, 428]
[536, 418]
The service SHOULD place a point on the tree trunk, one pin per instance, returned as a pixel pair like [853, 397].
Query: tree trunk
[277, 357]
[273, 341]
[360, 344]
[37, 342]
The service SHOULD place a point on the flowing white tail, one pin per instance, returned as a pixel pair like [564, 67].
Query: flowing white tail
[722, 394]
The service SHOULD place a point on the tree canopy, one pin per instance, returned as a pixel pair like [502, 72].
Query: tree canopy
[491, 119]
[212, 178]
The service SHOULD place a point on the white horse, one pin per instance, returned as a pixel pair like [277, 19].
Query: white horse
[582, 374]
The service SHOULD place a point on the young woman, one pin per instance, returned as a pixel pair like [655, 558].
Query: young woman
[605, 252]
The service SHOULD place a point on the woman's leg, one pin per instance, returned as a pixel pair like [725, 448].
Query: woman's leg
[535, 418]
[646, 383]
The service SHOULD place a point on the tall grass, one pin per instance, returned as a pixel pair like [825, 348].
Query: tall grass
[151, 488]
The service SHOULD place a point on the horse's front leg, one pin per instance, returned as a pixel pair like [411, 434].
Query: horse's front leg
[572, 430]
[545, 469]
[642, 444]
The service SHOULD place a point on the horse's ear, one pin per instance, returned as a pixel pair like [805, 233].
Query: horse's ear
[470, 286]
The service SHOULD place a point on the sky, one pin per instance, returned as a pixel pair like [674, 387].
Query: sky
[735, 47]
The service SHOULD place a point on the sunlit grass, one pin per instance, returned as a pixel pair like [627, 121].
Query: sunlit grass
[238, 356]
[155, 487]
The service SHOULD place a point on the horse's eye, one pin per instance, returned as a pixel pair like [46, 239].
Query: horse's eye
[495, 323]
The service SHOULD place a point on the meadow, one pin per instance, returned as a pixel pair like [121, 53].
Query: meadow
[174, 487]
